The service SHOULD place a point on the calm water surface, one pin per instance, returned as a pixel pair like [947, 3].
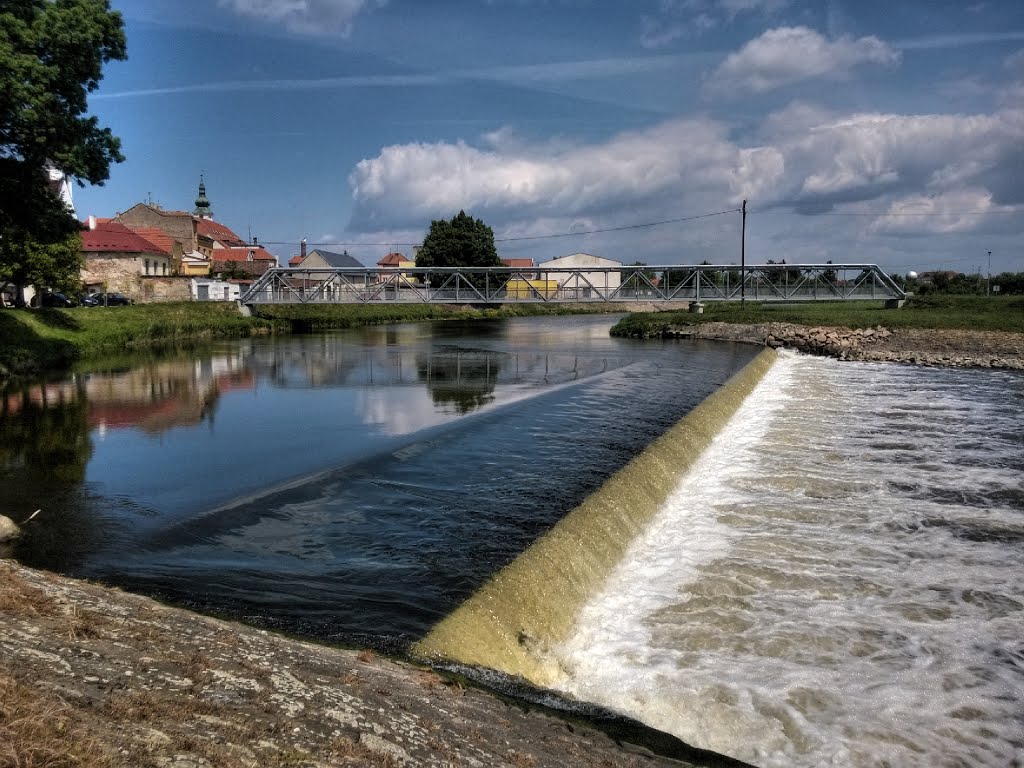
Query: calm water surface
[351, 486]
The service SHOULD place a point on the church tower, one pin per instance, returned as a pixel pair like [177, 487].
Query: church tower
[203, 210]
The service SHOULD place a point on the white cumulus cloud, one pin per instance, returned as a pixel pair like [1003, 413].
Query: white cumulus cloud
[514, 182]
[788, 55]
[947, 213]
[805, 159]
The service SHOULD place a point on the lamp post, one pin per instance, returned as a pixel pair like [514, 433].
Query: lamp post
[988, 283]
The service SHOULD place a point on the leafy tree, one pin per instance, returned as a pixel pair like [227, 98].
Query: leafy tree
[56, 265]
[830, 274]
[461, 242]
[673, 278]
[635, 278]
[52, 54]
[1009, 282]
[787, 276]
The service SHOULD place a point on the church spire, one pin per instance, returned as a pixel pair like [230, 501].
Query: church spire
[203, 209]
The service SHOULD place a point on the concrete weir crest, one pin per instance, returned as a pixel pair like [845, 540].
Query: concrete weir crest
[513, 622]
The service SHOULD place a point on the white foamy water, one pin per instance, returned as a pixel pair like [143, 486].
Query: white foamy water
[839, 581]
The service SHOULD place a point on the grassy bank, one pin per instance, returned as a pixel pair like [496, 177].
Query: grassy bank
[1005, 313]
[37, 340]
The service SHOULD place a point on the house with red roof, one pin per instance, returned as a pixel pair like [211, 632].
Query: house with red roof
[244, 262]
[119, 259]
[395, 260]
[178, 226]
[218, 234]
[197, 232]
[398, 262]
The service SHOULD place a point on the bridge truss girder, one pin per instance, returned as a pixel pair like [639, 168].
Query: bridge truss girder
[504, 285]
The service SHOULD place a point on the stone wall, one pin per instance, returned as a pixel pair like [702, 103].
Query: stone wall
[121, 274]
[156, 289]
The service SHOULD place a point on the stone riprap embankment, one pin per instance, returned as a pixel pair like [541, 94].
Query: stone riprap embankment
[94, 676]
[936, 347]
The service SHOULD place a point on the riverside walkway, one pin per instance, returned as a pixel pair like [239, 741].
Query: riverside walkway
[625, 284]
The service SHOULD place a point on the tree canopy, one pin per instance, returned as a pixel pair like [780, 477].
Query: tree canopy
[52, 54]
[461, 242]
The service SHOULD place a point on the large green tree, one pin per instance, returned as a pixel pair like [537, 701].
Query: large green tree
[52, 54]
[461, 242]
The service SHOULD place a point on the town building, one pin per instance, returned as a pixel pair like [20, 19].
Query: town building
[583, 284]
[120, 260]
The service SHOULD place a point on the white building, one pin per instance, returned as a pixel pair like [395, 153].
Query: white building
[585, 283]
[212, 289]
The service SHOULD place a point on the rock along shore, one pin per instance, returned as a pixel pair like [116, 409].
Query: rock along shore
[935, 347]
[93, 676]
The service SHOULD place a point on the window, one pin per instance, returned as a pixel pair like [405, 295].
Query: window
[147, 266]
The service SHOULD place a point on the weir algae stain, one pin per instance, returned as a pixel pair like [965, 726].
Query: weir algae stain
[512, 622]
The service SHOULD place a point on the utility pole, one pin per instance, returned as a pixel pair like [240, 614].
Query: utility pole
[743, 254]
[988, 283]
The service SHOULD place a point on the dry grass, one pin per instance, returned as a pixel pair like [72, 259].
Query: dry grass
[344, 748]
[18, 596]
[39, 731]
[519, 760]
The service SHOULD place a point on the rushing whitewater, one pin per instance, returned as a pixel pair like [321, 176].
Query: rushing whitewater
[837, 581]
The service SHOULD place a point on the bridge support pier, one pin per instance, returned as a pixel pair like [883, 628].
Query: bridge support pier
[696, 308]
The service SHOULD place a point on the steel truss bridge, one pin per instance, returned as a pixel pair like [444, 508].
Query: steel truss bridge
[562, 285]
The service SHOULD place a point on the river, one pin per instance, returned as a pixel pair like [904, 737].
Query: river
[352, 486]
[838, 580]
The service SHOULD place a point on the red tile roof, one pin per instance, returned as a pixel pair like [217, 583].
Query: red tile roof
[392, 260]
[517, 263]
[112, 237]
[259, 253]
[157, 237]
[217, 231]
[294, 261]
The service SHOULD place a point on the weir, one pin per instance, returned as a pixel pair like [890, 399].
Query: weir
[513, 622]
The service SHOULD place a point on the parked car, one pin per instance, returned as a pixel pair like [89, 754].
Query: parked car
[56, 299]
[106, 300]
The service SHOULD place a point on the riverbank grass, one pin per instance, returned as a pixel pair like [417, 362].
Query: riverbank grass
[37, 340]
[1002, 313]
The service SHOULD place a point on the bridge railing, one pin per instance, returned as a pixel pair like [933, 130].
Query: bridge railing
[504, 285]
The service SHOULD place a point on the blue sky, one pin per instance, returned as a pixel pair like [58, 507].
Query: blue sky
[890, 133]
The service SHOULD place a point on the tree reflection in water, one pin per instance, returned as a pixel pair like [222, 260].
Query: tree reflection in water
[44, 451]
[462, 378]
